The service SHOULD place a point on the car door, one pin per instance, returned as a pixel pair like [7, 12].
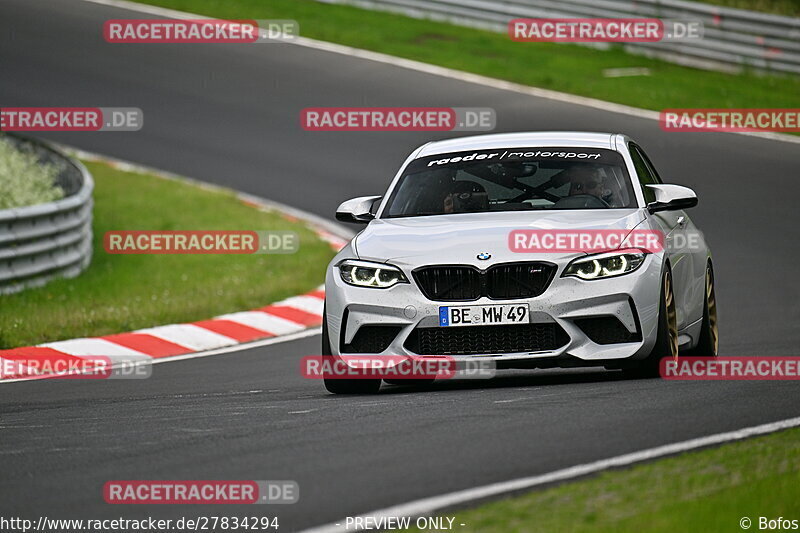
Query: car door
[674, 225]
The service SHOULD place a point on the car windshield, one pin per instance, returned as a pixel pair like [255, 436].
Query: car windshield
[514, 179]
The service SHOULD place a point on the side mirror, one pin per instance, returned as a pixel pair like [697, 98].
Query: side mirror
[671, 198]
[358, 210]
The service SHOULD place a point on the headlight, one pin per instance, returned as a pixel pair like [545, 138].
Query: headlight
[605, 265]
[366, 274]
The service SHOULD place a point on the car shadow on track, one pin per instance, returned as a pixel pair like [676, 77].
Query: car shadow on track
[523, 378]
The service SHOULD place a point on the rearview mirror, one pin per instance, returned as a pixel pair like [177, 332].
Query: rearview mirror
[671, 198]
[358, 210]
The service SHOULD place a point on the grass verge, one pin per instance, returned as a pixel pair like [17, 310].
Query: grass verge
[562, 67]
[124, 292]
[708, 490]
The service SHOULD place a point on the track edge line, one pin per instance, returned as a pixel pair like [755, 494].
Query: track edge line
[425, 506]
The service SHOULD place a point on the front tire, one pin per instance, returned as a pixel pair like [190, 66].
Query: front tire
[343, 386]
[667, 336]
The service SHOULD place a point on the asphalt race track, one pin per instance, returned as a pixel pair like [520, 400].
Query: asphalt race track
[230, 114]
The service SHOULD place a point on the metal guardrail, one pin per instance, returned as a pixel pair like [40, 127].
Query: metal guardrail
[41, 242]
[734, 39]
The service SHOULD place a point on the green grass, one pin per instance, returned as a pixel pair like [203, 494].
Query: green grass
[568, 68]
[124, 292]
[789, 8]
[708, 491]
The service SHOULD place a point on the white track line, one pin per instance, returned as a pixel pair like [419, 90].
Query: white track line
[442, 71]
[427, 506]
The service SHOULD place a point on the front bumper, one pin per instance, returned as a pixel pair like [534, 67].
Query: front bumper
[632, 298]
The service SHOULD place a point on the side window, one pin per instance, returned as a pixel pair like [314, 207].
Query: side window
[649, 163]
[646, 176]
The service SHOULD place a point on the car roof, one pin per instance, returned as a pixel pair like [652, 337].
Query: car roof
[576, 139]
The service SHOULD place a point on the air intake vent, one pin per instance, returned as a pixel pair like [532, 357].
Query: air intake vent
[607, 330]
[371, 339]
[506, 281]
[470, 340]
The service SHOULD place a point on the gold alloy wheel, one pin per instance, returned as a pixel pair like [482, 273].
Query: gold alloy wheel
[672, 317]
[711, 308]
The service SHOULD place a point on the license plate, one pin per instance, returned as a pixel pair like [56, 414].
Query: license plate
[483, 315]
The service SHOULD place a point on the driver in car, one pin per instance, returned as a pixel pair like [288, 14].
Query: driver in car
[587, 179]
[584, 179]
[466, 197]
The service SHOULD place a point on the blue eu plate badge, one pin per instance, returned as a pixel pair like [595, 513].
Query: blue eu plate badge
[444, 316]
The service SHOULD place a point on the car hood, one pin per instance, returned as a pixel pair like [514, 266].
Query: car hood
[459, 238]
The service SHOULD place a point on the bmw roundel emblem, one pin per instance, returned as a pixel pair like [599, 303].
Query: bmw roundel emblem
[483, 256]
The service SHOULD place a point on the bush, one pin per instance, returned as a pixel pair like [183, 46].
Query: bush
[24, 180]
